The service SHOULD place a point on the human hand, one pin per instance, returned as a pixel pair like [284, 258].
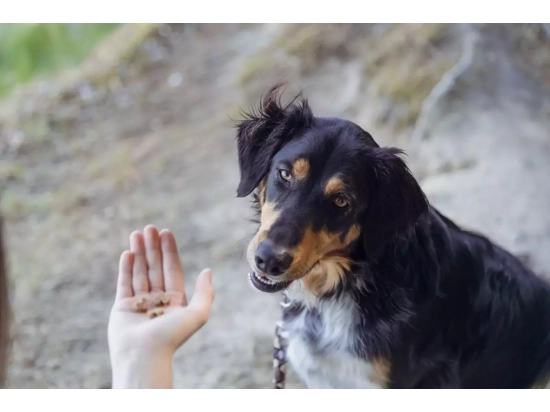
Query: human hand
[139, 343]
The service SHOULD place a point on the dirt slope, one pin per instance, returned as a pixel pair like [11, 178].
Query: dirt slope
[154, 143]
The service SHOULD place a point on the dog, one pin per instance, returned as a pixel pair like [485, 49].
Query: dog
[384, 290]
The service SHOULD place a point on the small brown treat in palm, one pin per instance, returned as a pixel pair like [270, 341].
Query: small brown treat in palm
[158, 301]
[165, 299]
[141, 305]
[153, 313]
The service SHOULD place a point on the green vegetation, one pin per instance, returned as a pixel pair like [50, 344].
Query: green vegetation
[16, 206]
[401, 62]
[406, 62]
[28, 51]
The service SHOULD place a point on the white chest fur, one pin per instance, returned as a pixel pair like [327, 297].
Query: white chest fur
[327, 361]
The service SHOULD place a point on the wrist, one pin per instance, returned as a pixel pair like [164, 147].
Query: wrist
[142, 369]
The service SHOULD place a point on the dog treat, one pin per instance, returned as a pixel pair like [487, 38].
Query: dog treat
[161, 300]
[153, 313]
[165, 299]
[158, 301]
[141, 305]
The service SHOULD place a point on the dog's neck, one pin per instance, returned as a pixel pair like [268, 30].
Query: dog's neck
[381, 297]
[298, 292]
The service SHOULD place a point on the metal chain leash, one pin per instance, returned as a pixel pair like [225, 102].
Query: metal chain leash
[280, 344]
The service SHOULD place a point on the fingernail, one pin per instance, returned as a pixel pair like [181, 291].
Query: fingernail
[209, 275]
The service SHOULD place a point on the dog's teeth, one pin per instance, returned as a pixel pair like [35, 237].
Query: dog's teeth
[263, 279]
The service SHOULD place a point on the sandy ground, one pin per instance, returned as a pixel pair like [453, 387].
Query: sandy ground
[160, 149]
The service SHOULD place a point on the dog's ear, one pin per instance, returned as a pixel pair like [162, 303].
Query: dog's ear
[396, 200]
[264, 132]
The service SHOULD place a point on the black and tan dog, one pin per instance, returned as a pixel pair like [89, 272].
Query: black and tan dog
[385, 291]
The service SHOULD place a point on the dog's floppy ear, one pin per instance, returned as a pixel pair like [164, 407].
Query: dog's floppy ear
[263, 133]
[396, 200]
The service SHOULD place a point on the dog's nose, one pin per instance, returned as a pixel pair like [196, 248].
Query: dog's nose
[269, 261]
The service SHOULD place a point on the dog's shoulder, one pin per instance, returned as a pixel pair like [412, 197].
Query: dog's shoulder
[491, 319]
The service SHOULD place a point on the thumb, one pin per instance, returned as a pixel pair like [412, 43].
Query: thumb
[202, 299]
[194, 316]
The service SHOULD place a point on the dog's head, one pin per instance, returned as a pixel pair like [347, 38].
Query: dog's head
[324, 188]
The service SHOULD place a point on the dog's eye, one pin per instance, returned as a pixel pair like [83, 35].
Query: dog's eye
[285, 174]
[341, 201]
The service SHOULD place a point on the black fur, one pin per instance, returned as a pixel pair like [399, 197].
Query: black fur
[263, 133]
[446, 307]
[397, 202]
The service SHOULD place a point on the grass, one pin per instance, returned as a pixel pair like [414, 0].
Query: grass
[11, 170]
[118, 166]
[309, 43]
[402, 63]
[28, 51]
[303, 40]
[312, 42]
[15, 206]
[405, 63]
[252, 67]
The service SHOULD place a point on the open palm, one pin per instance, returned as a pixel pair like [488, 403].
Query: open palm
[151, 277]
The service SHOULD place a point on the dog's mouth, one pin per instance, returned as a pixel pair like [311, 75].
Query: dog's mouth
[264, 284]
[267, 285]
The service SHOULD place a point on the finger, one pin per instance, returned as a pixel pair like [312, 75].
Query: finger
[154, 258]
[124, 285]
[173, 272]
[139, 272]
[203, 297]
[195, 316]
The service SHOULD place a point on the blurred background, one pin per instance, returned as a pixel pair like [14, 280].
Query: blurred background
[107, 128]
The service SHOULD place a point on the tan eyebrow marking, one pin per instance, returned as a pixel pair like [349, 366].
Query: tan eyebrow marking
[334, 186]
[300, 168]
